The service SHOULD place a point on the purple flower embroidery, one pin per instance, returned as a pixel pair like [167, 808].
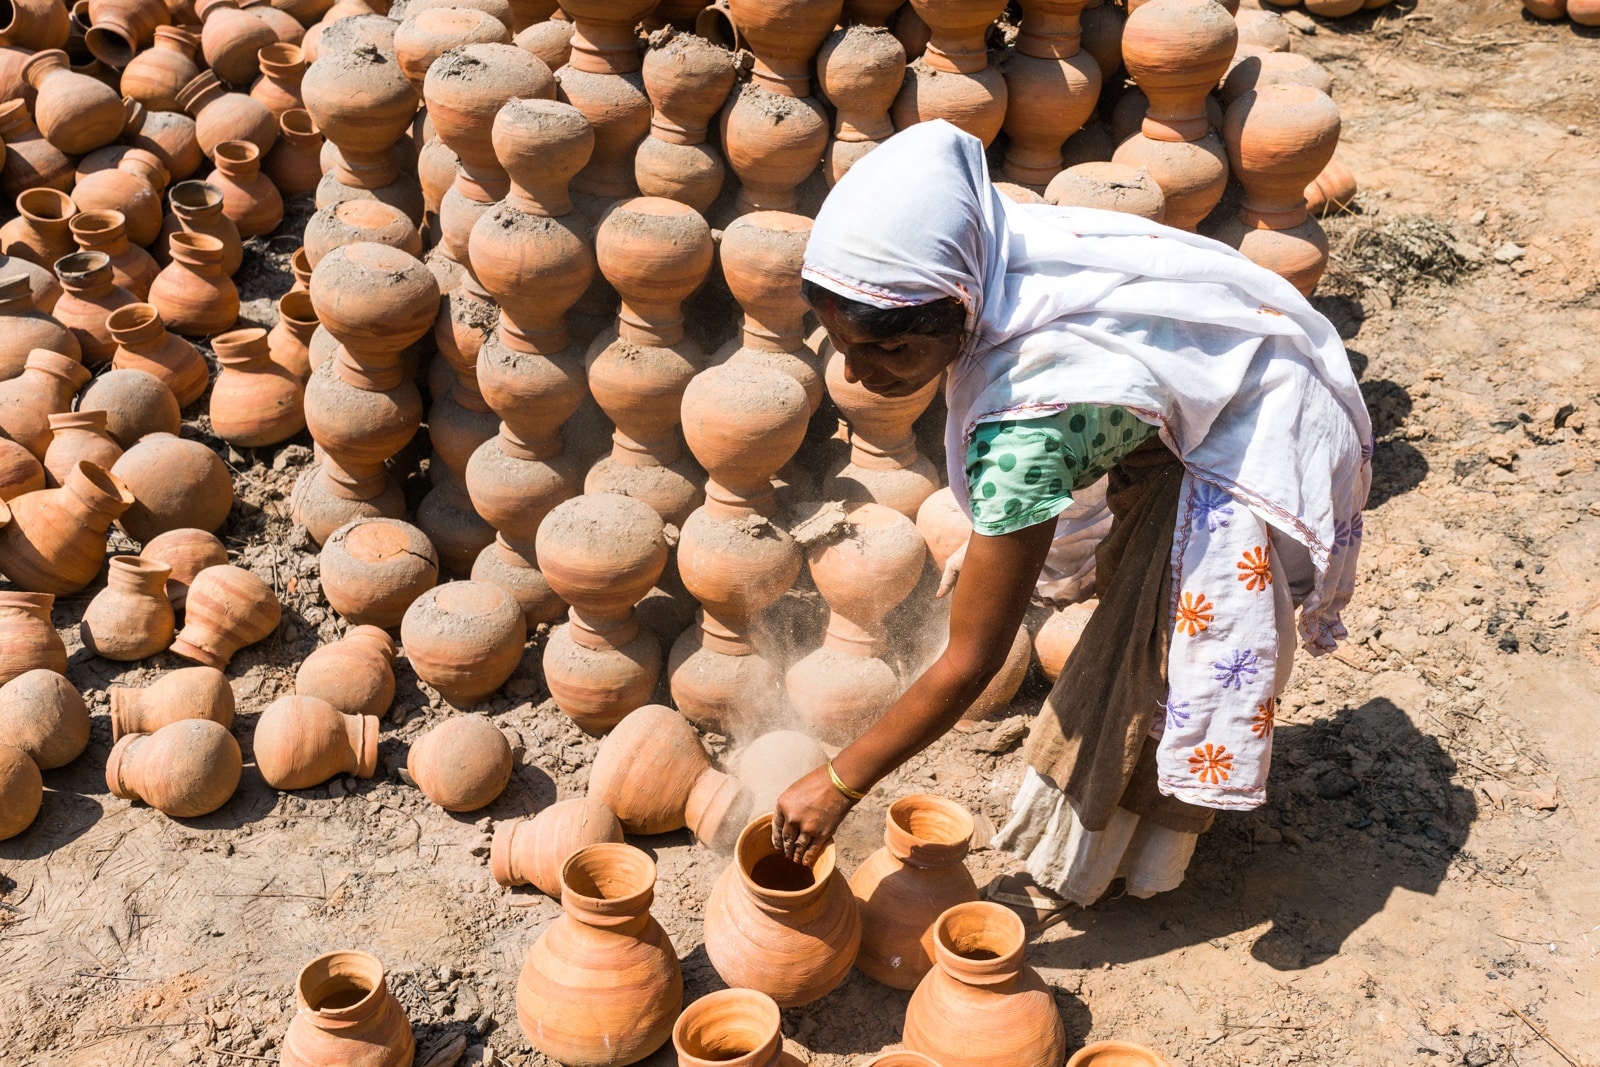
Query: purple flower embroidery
[1211, 507]
[1346, 534]
[1239, 668]
[1176, 716]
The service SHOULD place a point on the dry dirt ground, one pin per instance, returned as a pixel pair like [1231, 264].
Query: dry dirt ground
[1420, 889]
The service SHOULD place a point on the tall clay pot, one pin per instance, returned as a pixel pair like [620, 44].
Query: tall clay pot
[602, 80]
[131, 618]
[44, 388]
[143, 344]
[731, 1028]
[979, 979]
[860, 70]
[302, 742]
[76, 437]
[254, 402]
[106, 231]
[39, 233]
[354, 674]
[185, 769]
[884, 465]
[186, 693]
[192, 293]
[533, 851]
[464, 639]
[89, 294]
[347, 1016]
[28, 640]
[227, 609]
[1052, 86]
[76, 113]
[56, 540]
[687, 78]
[248, 197]
[790, 931]
[953, 80]
[601, 987]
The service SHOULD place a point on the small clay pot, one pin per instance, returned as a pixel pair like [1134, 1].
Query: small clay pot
[355, 674]
[104, 231]
[187, 551]
[197, 208]
[248, 197]
[44, 715]
[30, 162]
[77, 437]
[294, 164]
[373, 569]
[1058, 636]
[21, 791]
[44, 388]
[185, 769]
[136, 405]
[186, 693]
[56, 540]
[227, 609]
[131, 618]
[282, 65]
[1115, 1054]
[533, 851]
[28, 639]
[90, 293]
[176, 484]
[76, 113]
[170, 136]
[23, 327]
[1109, 187]
[288, 344]
[731, 1027]
[220, 115]
[143, 344]
[346, 1015]
[192, 293]
[133, 186]
[302, 742]
[462, 764]
[156, 76]
[231, 40]
[254, 402]
[464, 639]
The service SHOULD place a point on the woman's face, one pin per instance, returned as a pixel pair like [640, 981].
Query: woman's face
[891, 366]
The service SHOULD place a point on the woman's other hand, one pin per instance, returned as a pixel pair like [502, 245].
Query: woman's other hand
[807, 815]
[952, 571]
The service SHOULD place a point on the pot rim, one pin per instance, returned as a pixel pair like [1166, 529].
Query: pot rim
[918, 846]
[1087, 1056]
[637, 876]
[35, 204]
[755, 845]
[190, 188]
[752, 1006]
[343, 963]
[998, 929]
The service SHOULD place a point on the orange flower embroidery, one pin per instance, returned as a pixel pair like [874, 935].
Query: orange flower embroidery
[1266, 718]
[1212, 763]
[1255, 570]
[1194, 613]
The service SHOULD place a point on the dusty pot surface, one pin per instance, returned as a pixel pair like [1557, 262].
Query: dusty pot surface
[185, 769]
[355, 674]
[227, 609]
[464, 639]
[135, 404]
[462, 764]
[301, 742]
[347, 1016]
[187, 551]
[176, 484]
[45, 716]
[373, 569]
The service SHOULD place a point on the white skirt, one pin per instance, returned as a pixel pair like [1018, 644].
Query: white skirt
[1078, 864]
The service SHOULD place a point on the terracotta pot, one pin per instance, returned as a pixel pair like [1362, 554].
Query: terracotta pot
[618, 109]
[254, 402]
[1109, 187]
[1178, 51]
[56, 540]
[46, 287]
[980, 976]
[464, 639]
[158, 74]
[733, 1027]
[1115, 1054]
[301, 742]
[282, 68]
[1332, 191]
[789, 931]
[220, 115]
[462, 764]
[860, 71]
[975, 102]
[354, 674]
[248, 197]
[170, 136]
[30, 161]
[131, 618]
[132, 268]
[120, 29]
[687, 80]
[143, 344]
[185, 769]
[533, 851]
[904, 887]
[77, 436]
[995, 700]
[884, 465]
[45, 387]
[1274, 68]
[177, 484]
[550, 42]
[943, 526]
[288, 343]
[74, 112]
[773, 762]
[227, 609]
[784, 37]
[346, 1015]
[372, 569]
[136, 405]
[293, 164]
[197, 208]
[90, 293]
[192, 293]
[45, 716]
[26, 328]
[21, 791]
[28, 640]
[773, 142]
[424, 36]
[761, 254]
[359, 220]
[39, 233]
[1192, 175]
[187, 551]
[285, 26]
[20, 471]
[601, 986]
[1051, 88]
[35, 24]
[1263, 30]
[232, 39]
[186, 693]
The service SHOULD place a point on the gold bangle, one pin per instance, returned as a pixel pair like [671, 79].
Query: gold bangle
[838, 784]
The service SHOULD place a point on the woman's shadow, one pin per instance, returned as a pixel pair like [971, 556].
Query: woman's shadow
[1359, 805]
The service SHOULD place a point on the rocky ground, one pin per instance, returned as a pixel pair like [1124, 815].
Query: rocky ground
[1419, 888]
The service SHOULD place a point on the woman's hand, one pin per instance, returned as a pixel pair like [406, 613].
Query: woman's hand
[806, 816]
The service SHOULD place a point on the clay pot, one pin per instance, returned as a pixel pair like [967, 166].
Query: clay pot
[136, 405]
[232, 39]
[1109, 187]
[35, 24]
[220, 115]
[533, 851]
[197, 208]
[904, 887]
[45, 387]
[227, 609]
[132, 268]
[884, 465]
[288, 343]
[860, 71]
[301, 742]
[21, 791]
[359, 220]
[784, 37]
[943, 526]
[56, 540]
[1051, 89]
[424, 36]
[1333, 191]
[192, 293]
[687, 79]
[601, 986]
[462, 764]
[77, 436]
[177, 484]
[74, 112]
[979, 976]
[131, 618]
[23, 328]
[773, 142]
[372, 569]
[282, 68]
[652, 771]
[789, 931]
[170, 136]
[1262, 31]
[46, 287]
[254, 402]
[1178, 51]
[1192, 175]
[287, 28]
[90, 293]
[20, 471]
[120, 29]
[1058, 636]
[346, 1015]
[550, 42]
[185, 769]
[186, 693]
[187, 551]
[158, 74]
[143, 344]
[762, 253]
[30, 161]
[354, 674]
[464, 639]
[1115, 1054]
[995, 700]
[248, 197]
[293, 164]
[39, 233]
[1274, 68]
[45, 716]
[734, 1028]
[28, 640]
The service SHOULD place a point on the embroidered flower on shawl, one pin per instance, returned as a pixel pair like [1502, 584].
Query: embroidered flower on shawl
[1239, 668]
[1211, 763]
[1194, 613]
[1255, 570]
[1266, 718]
[1176, 716]
[1212, 507]
[1346, 534]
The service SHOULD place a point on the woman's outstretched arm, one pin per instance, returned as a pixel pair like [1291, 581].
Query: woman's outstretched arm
[986, 608]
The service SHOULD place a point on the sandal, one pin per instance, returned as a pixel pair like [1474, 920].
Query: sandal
[1038, 908]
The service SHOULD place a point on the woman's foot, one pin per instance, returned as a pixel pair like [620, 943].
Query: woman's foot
[1039, 908]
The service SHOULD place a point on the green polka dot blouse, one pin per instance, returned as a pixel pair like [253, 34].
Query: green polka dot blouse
[1025, 471]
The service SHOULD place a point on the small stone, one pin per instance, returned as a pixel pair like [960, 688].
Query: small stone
[1478, 217]
[1508, 253]
[336, 788]
[1003, 737]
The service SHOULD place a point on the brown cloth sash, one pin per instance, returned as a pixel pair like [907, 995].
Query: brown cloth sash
[1092, 737]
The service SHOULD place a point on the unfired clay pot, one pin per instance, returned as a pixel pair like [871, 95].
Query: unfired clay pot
[45, 716]
[773, 142]
[347, 1016]
[186, 693]
[56, 540]
[355, 674]
[601, 987]
[21, 791]
[136, 404]
[187, 551]
[77, 437]
[131, 618]
[462, 764]
[185, 769]
[23, 327]
[28, 640]
[143, 344]
[860, 70]
[227, 609]
[90, 293]
[372, 570]
[254, 402]
[302, 742]
[176, 484]
[790, 931]
[533, 851]
[464, 639]
[44, 388]
[359, 220]
[732, 1027]
[424, 36]
[687, 78]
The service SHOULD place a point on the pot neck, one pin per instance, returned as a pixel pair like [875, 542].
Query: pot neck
[137, 575]
[602, 633]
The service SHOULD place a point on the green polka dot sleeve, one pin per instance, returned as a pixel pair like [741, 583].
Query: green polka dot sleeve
[1024, 472]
